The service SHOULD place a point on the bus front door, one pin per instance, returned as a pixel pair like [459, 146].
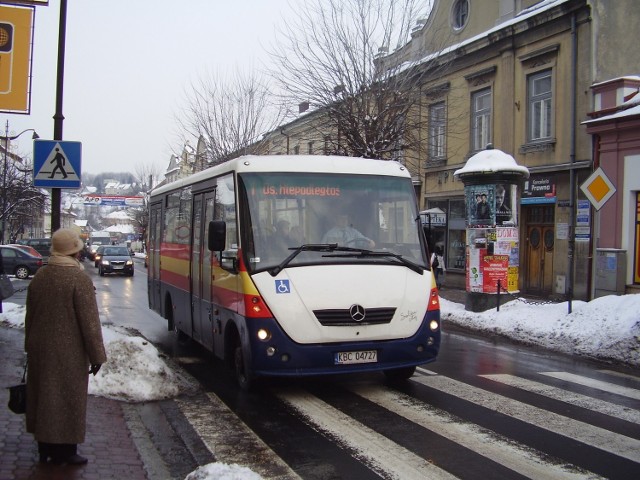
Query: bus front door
[201, 258]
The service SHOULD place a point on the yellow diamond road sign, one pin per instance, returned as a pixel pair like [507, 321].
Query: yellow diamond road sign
[598, 188]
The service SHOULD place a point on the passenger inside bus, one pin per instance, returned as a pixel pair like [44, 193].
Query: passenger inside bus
[282, 238]
[346, 236]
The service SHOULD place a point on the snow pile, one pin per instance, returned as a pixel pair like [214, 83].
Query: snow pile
[222, 471]
[136, 371]
[607, 328]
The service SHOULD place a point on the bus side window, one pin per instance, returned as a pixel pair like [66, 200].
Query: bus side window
[217, 235]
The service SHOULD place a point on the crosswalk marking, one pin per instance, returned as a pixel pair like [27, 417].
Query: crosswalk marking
[495, 447]
[597, 384]
[596, 437]
[577, 399]
[621, 375]
[383, 456]
[230, 439]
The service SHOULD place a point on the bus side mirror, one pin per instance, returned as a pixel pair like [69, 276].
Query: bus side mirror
[217, 236]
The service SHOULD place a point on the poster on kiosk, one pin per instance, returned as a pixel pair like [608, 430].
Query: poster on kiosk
[492, 237]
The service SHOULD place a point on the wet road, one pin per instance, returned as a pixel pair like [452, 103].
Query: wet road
[486, 409]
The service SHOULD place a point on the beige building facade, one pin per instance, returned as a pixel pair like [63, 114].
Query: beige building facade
[516, 74]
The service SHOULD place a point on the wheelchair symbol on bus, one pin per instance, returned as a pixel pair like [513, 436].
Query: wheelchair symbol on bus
[282, 286]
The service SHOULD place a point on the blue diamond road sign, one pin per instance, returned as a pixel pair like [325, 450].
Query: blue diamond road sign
[57, 164]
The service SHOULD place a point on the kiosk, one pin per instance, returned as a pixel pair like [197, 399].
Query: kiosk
[492, 183]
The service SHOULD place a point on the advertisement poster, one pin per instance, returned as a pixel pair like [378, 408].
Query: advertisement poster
[495, 269]
[475, 272]
[491, 204]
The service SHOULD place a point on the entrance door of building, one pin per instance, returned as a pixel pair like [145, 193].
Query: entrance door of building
[539, 243]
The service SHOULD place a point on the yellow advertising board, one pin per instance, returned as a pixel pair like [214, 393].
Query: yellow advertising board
[16, 43]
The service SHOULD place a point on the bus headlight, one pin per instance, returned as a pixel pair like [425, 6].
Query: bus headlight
[433, 325]
[264, 334]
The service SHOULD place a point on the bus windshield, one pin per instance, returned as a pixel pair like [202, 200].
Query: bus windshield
[339, 218]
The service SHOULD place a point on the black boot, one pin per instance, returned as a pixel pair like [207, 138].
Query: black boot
[44, 451]
[66, 454]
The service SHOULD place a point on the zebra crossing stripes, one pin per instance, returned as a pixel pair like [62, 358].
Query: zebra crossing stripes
[388, 459]
[508, 453]
[230, 440]
[613, 373]
[566, 396]
[593, 436]
[597, 384]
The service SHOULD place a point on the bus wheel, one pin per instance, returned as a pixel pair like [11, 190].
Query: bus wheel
[242, 375]
[398, 374]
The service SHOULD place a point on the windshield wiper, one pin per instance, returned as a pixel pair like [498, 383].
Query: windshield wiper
[350, 252]
[309, 247]
[360, 252]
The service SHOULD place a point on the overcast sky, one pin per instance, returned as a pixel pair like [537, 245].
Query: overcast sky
[127, 67]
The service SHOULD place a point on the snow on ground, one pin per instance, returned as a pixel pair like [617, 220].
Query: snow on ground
[607, 328]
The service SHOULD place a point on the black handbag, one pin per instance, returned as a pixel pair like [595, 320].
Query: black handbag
[6, 287]
[18, 395]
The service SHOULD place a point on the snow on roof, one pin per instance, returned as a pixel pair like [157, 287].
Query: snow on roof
[491, 161]
[120, 214]
[520, 17]
[120, 229]
[621, 114]
[635, 78]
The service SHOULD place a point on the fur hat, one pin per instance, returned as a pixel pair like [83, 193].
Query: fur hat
[66, 242]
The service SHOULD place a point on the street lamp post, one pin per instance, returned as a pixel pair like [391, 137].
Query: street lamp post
[6, 139]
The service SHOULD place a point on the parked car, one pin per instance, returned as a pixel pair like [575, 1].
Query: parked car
[42, 245]
[115, 259]
[26, 248]
[97, 255]
[18, 262]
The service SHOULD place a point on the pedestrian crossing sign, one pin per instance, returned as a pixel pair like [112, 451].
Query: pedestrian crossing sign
[56, 164]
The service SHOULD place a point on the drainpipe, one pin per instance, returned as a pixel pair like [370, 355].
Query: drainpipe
[572, 155]
[282, 132]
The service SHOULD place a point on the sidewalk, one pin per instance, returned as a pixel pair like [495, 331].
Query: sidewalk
[109, 446]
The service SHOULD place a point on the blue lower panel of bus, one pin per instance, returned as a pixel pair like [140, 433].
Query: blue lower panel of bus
[291, 358]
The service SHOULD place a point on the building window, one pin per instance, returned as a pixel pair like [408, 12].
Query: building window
[437, 132]
[296, 150]
[310, 148]
[540, 107]
[481, 106]
[460, 14]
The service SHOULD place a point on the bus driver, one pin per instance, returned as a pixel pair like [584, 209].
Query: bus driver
[345, 235]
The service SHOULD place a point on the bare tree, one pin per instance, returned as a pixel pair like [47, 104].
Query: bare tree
[332, 57]
[22, 202]
[147, 175]
[230, 113]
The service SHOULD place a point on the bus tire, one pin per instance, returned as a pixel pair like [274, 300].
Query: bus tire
[400, 374]
[243, 376]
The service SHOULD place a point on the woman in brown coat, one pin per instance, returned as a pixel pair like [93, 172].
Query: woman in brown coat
[63, 341]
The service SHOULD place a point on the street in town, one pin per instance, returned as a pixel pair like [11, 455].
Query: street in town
[488, 407]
